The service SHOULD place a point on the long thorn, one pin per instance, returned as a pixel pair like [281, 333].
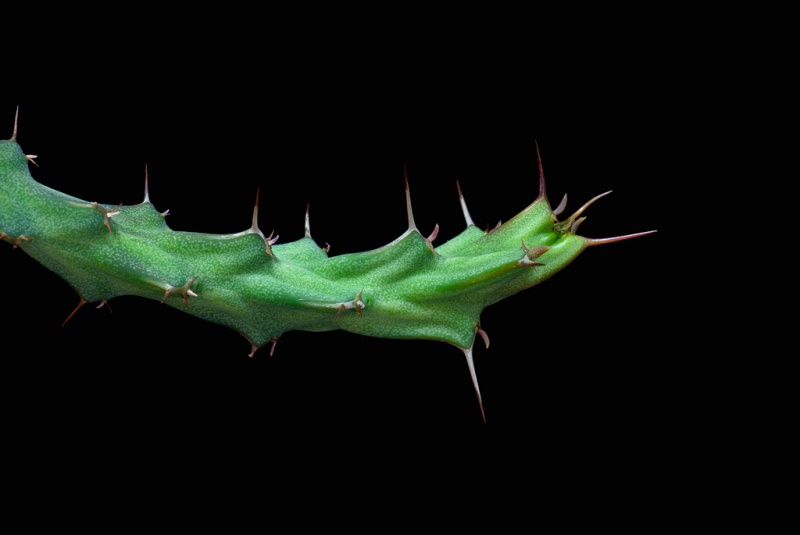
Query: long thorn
[254, 226]
[542, 189]
[411, 224]
[14, 135]
[74, 311]
[308, 222]
[464, 206]
[471, 364]
[146, 188]
[568, 222]
[601, 241]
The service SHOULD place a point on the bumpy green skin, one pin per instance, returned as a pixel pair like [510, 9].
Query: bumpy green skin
[406, 289]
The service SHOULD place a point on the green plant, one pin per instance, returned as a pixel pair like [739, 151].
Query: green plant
[408, 289]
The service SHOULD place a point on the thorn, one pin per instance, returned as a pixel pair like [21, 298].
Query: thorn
[561, 206]
[483, 334]
[184, 290]
[327, 247]
[356, 303]
[532, 254]
[411, 224]
[574, 228]
[254, 226]
[542, 189]
[146, 189]
[165, 214]
[18, 240]
[272, 240]
[106, 213]
[16, 116]
[342, 308]
[74, 311]
[567, 223]
[255, 230]
[104, 302]
[464, 206]
[434, 233]
[471, 364]
[274, 343]
[30, 158]
[497, 226]
[308, 222]
[591, 241]
[359, 303]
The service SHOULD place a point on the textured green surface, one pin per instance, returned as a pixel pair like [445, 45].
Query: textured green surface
[408, 291]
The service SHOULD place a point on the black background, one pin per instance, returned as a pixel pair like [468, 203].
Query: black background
[583, 354]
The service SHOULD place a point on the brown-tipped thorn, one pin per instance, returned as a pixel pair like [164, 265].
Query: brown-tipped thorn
[359, 303]
[74, 311]
[342, 308]
[104, 302]
[165, 214]
[561, 206]
[434, 233]
[254, 226]
[467, 217]
[146, 189]
[532, 254]
[483, 334]
[18, 240]
[567, 223]
[271, 240]
[411, 224]
[542, 189]
[327, 247]
[308, 222]
[30, 158]
[574, 228]
[14, 135]
[602, 241]
[274, 343]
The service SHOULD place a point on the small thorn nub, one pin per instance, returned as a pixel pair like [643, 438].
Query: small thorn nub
[184, 291]
[561, 206]
[434, 233]
[482, 333]
[532, 254]
[106, 213]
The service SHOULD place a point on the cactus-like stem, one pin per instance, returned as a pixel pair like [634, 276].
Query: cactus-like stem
[250, 283]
